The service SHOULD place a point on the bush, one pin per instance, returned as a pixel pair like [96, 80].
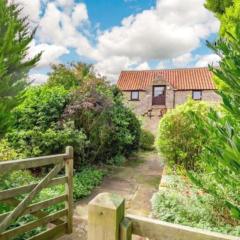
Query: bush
[146, 140]
[181, 203]
[85, 181]
[6, 152]
[37, 142]
[180, 140]
[42, 107]
[111, 128]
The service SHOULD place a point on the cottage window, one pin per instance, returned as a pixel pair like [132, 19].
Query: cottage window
[197, 95]
[135, 95]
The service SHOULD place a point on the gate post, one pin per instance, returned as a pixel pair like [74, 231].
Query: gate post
[69, 188]
[105, 213]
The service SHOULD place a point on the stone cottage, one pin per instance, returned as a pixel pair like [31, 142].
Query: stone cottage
[150, 93]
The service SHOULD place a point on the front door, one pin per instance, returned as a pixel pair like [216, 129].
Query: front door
[159, 95]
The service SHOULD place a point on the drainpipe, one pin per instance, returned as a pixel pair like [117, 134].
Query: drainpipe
[174, 98]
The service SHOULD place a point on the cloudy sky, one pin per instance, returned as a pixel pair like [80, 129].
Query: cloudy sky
[116, 35]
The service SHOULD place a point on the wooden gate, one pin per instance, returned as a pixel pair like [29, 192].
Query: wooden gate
[59, 222]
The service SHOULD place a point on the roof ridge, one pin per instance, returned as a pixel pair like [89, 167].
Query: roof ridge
[165, 69]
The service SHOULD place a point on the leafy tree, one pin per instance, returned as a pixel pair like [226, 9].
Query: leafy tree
[71, 76]
[221, 161]
[230, 20]
[218, 6]
[228, 12]
[14, 65]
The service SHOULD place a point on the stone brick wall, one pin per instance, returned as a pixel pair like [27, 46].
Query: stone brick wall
[145, 103]
[145, 99]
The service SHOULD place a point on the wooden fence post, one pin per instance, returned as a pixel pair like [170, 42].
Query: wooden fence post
[69, 188]
[105, 213]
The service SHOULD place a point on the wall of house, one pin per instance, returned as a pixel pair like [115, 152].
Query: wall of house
[145, 103]
[207, 95]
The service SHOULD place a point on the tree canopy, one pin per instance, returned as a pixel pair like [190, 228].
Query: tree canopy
[228, 12]
[15, 38]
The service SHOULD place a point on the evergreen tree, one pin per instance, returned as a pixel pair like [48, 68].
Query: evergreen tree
[218, 6]
[228, 12]
[15, 37]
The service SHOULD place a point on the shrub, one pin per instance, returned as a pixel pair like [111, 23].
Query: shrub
[146, 140]
[85, 181]
[111, 128]
[42, 107]
[182, 203]
[37, 142]
[6, 152]
[180, 140]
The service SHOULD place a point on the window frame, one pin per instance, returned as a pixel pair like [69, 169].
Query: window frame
[197, 99]
[131, 95]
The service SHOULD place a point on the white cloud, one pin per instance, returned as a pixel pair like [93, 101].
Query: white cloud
[171, 30]
[58, 27]
[166, 33]
[37, 78]
[112, 66]
[65, 3]
[204, 60]
[79, 14]
[31, 8]
[143, 66]
[50, 53]
[182, 60]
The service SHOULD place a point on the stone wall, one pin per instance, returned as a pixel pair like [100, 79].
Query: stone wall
[145, 103]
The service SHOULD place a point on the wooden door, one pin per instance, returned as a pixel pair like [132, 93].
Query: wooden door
[159, 95]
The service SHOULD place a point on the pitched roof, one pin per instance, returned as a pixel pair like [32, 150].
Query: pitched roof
[180, 79]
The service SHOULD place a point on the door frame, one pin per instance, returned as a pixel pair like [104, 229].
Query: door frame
[153, 87]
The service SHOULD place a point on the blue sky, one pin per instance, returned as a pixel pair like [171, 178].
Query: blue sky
[121, 34]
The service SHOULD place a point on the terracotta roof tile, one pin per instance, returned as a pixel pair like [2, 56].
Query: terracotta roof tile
[180, 79]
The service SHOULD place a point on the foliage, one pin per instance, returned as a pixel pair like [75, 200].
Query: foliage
[15, 38]
[180, 140]
[228, 12]
[42, 107]
[221, 160]
[182, 203]
[61, 75]
[85, 181]
[36, 142]
[71, 76]
[117, 160]
[6, 152]
[218, 6]
[97, 109]
[146, 140]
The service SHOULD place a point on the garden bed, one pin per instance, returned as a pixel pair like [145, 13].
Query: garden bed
[178, 201]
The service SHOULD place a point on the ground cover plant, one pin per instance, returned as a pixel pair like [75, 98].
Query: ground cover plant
[183, 203]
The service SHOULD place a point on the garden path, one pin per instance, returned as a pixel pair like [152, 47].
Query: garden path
[136, 181]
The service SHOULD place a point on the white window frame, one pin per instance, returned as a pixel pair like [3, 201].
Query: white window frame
[134, 98]
[197, 98]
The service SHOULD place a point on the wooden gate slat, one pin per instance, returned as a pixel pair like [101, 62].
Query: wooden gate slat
[52, 234]
[27, 200]
[34, 224]
[38, 206]
[6, 194]
[7, 166]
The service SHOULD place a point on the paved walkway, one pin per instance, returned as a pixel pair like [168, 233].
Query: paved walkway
[136, 181]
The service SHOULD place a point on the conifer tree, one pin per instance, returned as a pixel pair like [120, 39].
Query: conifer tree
[15, 37]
